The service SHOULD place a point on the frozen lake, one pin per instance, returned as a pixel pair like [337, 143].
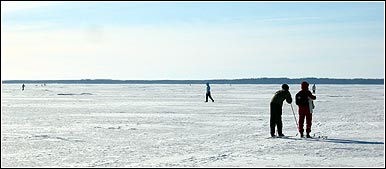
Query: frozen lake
[131, 125]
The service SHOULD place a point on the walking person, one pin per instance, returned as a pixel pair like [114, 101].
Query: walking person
[208, 93]
[303, 99]
[276, 109]
[22, 87]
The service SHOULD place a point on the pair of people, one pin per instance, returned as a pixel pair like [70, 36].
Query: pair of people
[303, 98]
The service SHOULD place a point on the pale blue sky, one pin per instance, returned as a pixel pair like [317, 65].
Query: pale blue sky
[191, 40]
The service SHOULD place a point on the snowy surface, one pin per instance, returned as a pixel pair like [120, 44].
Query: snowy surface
[62, 125]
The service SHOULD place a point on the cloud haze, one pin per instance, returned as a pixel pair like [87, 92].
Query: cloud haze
[192, 46]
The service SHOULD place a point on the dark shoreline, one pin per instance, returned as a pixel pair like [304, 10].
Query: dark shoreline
[212, 81]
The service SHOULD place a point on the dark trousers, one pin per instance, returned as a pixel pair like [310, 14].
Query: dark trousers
[275, 119]
[208, 95]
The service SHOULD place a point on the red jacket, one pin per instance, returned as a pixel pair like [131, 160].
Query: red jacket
[305, 108]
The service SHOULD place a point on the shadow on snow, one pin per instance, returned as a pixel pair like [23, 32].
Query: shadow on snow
[335, 140]
[345, 141]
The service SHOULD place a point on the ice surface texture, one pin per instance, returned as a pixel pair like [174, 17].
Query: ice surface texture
[171, 126]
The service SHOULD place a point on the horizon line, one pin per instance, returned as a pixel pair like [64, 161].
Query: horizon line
[195, 79]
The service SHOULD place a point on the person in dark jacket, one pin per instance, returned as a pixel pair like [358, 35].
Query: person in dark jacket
[303, 99]
[208, 93]
[276, 109]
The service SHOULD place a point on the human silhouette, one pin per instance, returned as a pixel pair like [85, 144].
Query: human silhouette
[276, 111]
[303, 99]
[208, 93]
[313, 89]
[22, 86]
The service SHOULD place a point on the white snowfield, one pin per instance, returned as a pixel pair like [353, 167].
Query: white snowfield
[157, 125]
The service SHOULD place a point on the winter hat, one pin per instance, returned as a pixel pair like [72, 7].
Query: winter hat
[285, 87]
[304, 85]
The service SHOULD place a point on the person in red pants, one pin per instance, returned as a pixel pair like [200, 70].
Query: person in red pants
[303, 99]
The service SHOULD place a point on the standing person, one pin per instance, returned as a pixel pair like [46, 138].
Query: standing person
[208, 93]
[276, 109]
[303, 98]
[312, 102]
[313, 89]
[22, 86]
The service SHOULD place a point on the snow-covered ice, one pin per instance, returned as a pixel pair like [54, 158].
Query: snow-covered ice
[156, 125]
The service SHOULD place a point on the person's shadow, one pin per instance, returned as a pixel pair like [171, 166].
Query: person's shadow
[346, 141]
[337, 140]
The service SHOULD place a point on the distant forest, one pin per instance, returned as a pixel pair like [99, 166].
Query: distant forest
[214, 81]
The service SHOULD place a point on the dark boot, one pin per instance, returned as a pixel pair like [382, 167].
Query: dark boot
[281, 134]
[301, 134]
[308, 135]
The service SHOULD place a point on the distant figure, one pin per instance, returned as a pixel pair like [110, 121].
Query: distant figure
[312, 102]
[208, 93]
[313, 89]
[303, 99]
[22, 87]
[276, 109]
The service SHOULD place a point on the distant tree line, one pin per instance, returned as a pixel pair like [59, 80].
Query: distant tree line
[310, 80]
